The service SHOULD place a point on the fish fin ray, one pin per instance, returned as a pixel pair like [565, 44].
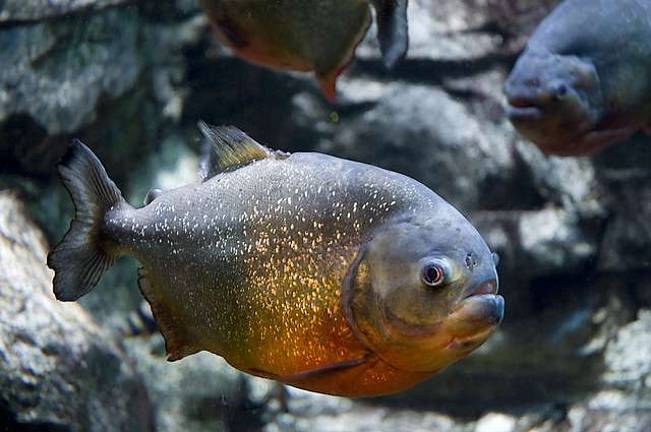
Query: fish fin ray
[311, 373]
[391, 18]
[82, 256]
[328, 85]
[176, 341]
[228, 149]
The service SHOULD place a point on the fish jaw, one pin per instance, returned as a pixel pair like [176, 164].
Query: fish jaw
[520, 115]
[473, 320]
[476, 314]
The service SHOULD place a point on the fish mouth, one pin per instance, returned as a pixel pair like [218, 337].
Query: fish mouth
[523, 108]
[486, 287]
[475, 318]
[519, 114]
[481, 308]
[516, 101]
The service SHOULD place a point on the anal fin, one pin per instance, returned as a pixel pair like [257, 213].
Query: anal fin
[177, 342]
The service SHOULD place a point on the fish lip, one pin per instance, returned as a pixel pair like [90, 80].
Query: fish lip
[486, 287]
[496, 303]
[524, 113]
[523, 107]
[518, 101]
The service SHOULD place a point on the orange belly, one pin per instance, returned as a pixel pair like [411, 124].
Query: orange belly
[372, 378]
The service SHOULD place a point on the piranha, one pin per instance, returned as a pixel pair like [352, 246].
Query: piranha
[584, 79]
[322, 273]
[308, 35]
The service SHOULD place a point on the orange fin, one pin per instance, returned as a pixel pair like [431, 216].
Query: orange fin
[328, 85]
[177, 341]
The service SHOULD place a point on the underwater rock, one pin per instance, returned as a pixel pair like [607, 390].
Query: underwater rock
[61, 79]
[310, 412]
[194, 394]
[495, 422]
[420, 131]
[58, 369]
[624, 173]
[32, 10]
[57, 72]
[622, 404]
[470, 30]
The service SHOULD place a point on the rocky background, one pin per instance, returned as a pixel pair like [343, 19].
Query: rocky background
[132, 78]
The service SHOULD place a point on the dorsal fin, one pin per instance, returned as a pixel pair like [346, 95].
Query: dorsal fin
[229, 149]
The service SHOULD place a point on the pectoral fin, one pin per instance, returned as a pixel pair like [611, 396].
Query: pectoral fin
[311, 374]
[391, 17]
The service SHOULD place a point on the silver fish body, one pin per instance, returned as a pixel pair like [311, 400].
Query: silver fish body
[320, 272]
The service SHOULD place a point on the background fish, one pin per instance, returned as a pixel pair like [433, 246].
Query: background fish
[308, 35]
[584, 80]
[322, 273]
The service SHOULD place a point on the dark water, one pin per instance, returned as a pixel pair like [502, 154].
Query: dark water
[132, 79]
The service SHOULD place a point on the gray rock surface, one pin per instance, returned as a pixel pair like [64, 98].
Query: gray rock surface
[60, 78]
[198, 393]
[21, 10]
[58, 369]
[68, 66]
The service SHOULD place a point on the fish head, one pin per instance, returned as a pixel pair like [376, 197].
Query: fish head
[423, 292]
[554, 100]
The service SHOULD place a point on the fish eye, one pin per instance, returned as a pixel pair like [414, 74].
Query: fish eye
[560, 91]
[433, 274]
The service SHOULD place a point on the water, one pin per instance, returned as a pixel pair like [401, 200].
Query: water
[133, 80]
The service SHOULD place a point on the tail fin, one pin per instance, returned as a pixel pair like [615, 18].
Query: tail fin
[80, 259]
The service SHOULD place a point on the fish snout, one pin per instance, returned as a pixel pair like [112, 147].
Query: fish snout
[478, 312]
[523, 104]
[493, 309]
[522, 110]
[480, 307]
